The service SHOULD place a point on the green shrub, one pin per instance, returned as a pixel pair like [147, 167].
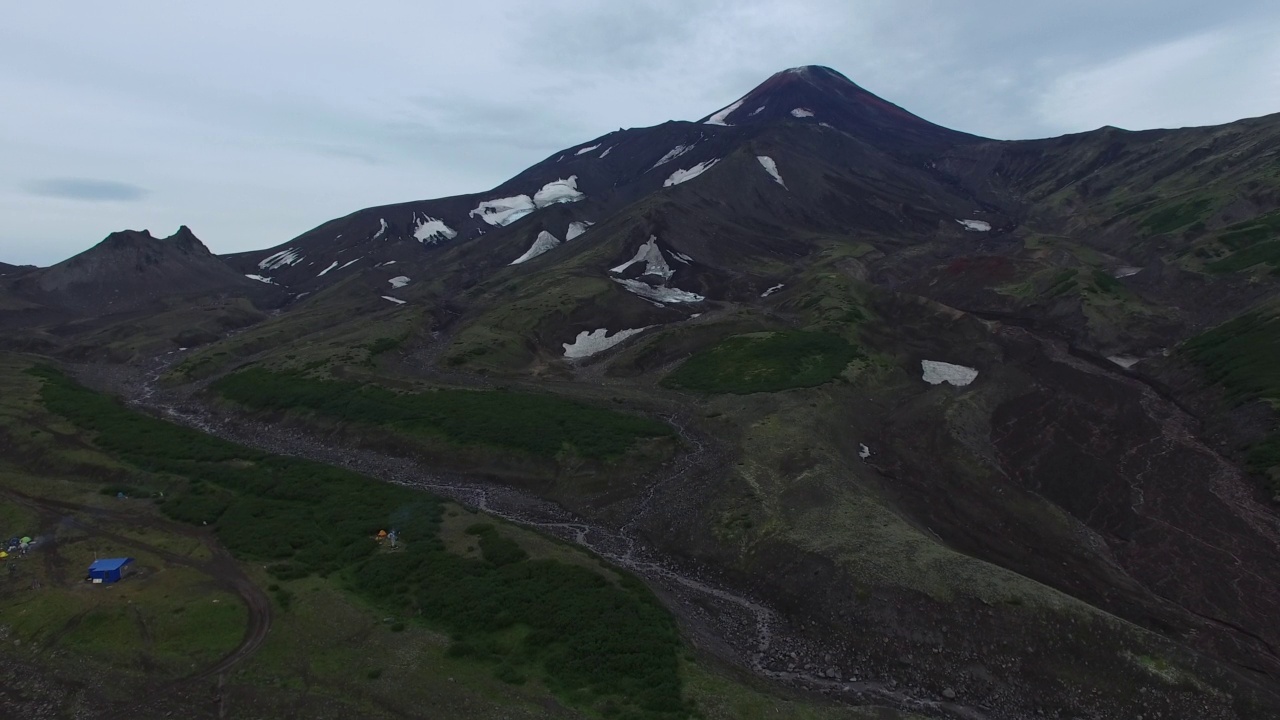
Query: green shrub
[592, 641]
[765, 362]
[540, 425]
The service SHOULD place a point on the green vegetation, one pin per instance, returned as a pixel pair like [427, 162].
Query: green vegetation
[1243, 356]
[597, 644]
[1173, 217]
[540, 425]
[765, 362]
[385, 344]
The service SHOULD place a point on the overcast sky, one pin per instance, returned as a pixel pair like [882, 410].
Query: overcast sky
[254, 121]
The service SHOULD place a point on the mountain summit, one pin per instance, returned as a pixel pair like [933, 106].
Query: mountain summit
[814, 93]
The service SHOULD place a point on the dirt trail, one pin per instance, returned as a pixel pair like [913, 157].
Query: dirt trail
[747, 632]
[222, 568]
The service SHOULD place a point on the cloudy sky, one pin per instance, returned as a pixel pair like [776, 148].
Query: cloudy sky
[253, 121]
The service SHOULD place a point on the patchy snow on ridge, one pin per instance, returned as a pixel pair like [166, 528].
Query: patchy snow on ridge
[558, 191]
[288, 256]
[864, 452]
[353, 262]
[544, 242]
[432, 230]
[382, 229]
[772, 290]
[936, 372]
[260, 278]
[659, 294]
[757, 111]
[397, 301]
[1124, 361]
[586, 150]
[399, 281]
[975, 225]
[1125, 272]
[503, 211]
[674, 153]
[606, 152]
[651, 256]
[719, 117]
[576, 229]
[802, 113]
[682, 257]
[681, 176]
[334, 265]
[589, 343]
[771, 167]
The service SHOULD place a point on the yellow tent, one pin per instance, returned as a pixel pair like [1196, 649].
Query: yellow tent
[3, 554]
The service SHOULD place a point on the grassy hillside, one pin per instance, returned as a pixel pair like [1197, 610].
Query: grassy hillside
[540, 425]
[765, 362]
[468, 616]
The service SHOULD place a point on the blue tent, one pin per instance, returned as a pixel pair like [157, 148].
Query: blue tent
[107, 570]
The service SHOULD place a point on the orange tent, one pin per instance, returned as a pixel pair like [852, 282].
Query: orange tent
[382, 534]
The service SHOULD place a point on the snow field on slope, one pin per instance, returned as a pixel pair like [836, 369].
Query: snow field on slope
[975, 225]
[772, 290]
[399, 281]
[382, 229]
[589, 343]
[935, 373]
[260, 278]
[332, 266]
[719, 117]
[651, 256]
[288, 256]
[659, 294]
[544, 242]
[558, 191]
[587, 149]
[771, 167]
[397, 301]
[504, 211]
[576, 228]
[802, 113]
[683, 176]
[433, 230]
[672, 154]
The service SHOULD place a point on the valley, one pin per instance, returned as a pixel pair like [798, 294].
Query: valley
[825, 410]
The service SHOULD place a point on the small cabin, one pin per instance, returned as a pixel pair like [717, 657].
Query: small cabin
[107, 570]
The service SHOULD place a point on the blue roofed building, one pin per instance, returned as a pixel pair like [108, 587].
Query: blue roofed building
[107, 570]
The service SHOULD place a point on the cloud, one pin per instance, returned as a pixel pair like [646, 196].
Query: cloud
[1204, 79]
[86, 189]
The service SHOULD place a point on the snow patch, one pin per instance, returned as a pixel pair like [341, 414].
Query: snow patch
[771, 167]
[936, 372]
[757, 111]
[288, 256]
[772, 290]
[433, 230]
[802, 113]
[719, 117]
[382, 229]
[651, 256]
[682, 257]
[544, 242]
[606, 152]
[864, 452]
[334, 265]
[558, 191]
[975, 225]
[576, 229]
[353, 262]
[596, 341]
[674, 153]
[260, 278]
[1125, 361]
[659, 294]
[397, 301]
[1125, 272]
[399, 281]
[681, 176]
[585, 150]
[503, 211]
